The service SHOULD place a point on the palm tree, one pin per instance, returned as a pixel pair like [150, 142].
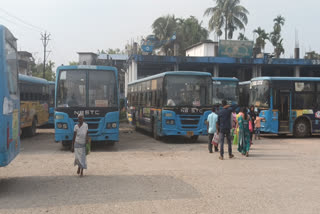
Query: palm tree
[228, 14]
[278, 22]
[242, 37]
[278, 50]
[261, 39]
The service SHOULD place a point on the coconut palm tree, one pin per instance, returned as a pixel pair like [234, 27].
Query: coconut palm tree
[278, 50]
[228, 14]
[242, 37]
[261, 39]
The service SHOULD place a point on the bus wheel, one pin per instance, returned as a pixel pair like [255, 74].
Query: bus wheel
[194, 138]
[301, 128]
[66, 144]
[31, 131]
[154, 131]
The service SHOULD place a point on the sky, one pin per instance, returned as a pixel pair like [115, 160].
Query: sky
[89, 25]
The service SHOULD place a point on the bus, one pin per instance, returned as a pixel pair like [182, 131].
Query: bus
[289, 105]
[244, 93]
[34, 103]
[9, 98]
[225, 88]
[171, 103]
[51, 102]
[92, 91]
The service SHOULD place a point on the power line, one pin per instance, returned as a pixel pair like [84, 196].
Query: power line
[22, 21]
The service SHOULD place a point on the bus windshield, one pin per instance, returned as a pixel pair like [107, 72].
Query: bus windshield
[260, 94]
[225, 90]
[188, 90]
[81, 88]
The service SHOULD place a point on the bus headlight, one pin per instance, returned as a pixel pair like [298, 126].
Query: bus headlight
[59, 125]
[65, 126]
[170, 122]
[62, 126]
[111, 125]
[59, 117]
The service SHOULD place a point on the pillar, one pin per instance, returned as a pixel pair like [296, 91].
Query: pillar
[134, 67]
[256, 71]
[216, 70]
[296, 71]
[176, 67]
[126, 82]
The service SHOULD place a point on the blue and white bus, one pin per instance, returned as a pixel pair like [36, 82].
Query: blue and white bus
[9, 98]
[51, 102]
[171, 103]
[289, 105]
[92, 91]
[225, 88]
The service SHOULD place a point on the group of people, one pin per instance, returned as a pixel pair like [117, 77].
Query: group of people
[225, 123]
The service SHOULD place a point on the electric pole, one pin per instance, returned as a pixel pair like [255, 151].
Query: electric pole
[45, 38]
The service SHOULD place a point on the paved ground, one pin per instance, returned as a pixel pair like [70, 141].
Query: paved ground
[141, 175]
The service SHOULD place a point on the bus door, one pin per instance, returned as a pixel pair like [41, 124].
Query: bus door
[284, 113]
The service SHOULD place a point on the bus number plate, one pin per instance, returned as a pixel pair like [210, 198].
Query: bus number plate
[190, 134]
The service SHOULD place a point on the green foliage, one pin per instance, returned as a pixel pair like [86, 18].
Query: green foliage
[242, 37]
[73, 63]
[37, 71]
[110, 51]
[312, 55]
[261, 39]
[275, 36]
[227, 14]
[188, 31]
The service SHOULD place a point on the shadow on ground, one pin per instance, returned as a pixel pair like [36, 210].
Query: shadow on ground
[29, 192]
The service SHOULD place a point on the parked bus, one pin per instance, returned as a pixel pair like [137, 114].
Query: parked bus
[288, 104]
[244, 93]
[92, 91]
[34, 103]
[171, 103]
[51, 102]
[225, 89]
[9, 98]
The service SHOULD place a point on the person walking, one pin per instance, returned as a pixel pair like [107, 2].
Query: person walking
[244, 133]
[211, 124]
[79, 141]
[252, 115]
[224, 127]
[257, 124]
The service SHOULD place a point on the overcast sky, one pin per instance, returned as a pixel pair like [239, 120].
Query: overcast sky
[89, 25]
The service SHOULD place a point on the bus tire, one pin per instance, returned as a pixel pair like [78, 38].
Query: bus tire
[154, 130]
[66, 144]
[194, 138]
[301, 128]
[32, 130]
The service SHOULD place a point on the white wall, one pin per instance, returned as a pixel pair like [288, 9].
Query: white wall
[206, 49]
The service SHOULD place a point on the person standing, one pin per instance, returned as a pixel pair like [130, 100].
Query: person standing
[252, 115]
[211, 124]
[244, 133]
[79, 141]
[257, 124]
[224, 127]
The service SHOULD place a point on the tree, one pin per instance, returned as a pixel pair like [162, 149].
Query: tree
[242, 37]
[228, 14]
[275, 36]
[261, 39]
[37, 70]
[312, 55]
[110, 51]
[73, 63]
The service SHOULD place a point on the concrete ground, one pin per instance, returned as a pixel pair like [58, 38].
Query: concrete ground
[142, 175]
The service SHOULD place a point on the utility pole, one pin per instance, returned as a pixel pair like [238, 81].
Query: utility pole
[45, 38]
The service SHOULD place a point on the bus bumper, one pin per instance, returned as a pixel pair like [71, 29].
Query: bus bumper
[174, 132]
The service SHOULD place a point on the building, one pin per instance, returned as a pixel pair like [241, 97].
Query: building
[206, 48]
[25, 60]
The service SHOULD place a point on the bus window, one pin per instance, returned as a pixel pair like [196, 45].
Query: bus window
[12, 71]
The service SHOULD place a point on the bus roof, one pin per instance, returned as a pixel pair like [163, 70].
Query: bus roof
[231, 79]
[168, 73]
[51, 82]
[244, 83]
[287, 78]
[31, 79]
[86, 67]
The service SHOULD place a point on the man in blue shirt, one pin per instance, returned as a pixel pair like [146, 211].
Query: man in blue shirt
[224, 127]
[212, 123]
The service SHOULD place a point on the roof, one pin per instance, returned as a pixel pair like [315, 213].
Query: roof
[244, 83]
[231, 79]
[123, 57]
[90, 53]
[25, 53]
[86, 67]
[200, 43]
[31, 79]
[287, 78]
[179, 73]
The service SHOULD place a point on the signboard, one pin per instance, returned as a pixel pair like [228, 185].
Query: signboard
[235, 48]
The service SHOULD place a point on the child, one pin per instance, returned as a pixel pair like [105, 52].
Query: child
[257, 124]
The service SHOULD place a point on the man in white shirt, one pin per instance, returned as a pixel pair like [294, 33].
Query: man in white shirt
[212, 129]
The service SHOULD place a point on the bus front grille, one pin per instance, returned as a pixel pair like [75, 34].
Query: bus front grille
[190, 121]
